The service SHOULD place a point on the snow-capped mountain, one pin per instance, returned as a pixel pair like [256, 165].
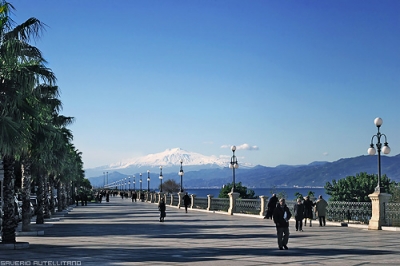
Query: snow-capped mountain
[171, 157]
[168, 159]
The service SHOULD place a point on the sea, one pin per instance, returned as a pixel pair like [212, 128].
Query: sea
[288, 192]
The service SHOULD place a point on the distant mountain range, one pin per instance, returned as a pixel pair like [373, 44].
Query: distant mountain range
[202, 171]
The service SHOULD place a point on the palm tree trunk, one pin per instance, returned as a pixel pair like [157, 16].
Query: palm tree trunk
[59, 197]
[26, 195]
[9, 220]
[63, 197]
[40, 200]
[68, 192]
[46, 186]
[51, 184]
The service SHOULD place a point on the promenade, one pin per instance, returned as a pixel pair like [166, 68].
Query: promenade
[124, 233]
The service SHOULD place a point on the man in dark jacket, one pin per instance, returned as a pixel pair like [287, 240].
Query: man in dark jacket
[281, 218]
[271, 206]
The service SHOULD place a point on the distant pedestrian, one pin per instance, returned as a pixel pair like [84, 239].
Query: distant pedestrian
[299, 214]
[141, 196]
[77, 200]
[272, 202]
[107, 197]
[281, 218]
[186, 201]
[320, 207]
[308, 210]
[134, 196]
[162, 209]
[85, 198]
[100, 197]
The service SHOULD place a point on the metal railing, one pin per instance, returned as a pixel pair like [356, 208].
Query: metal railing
[248, 206]
[219, 204]
[337, 211]
[200, 203]
[392, 214]
[351, 212]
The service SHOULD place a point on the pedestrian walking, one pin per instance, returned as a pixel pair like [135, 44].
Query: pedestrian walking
[308, 210]
[77, 200]
[186, 201]
[320, 207]
[134, 196]
[272, 202]
[281, 218]
[298, 210]
[162, 209]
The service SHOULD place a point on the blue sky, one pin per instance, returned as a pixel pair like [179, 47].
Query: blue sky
[298, 81]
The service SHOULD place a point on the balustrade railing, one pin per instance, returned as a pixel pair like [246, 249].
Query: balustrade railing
[351, 212]
[175, 200]
[337, 211]
[219, 204]
[248, 206]
[200, 203]
[392, 214]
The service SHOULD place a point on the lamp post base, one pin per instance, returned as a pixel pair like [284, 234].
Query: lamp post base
[378, 200]
[232, 202]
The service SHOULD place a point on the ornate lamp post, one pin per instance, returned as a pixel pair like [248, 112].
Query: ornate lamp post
[134, 183]
[104, 179]
[233, 165]
[148, 180]
[140, 181]
[386, 150]
[181, 173]
[107, 178]
[129, 182]
[161, 177]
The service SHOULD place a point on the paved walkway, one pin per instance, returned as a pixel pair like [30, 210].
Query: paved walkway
[124, 233]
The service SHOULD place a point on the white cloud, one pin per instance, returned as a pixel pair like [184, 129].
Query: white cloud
[244, 146]
[325, 154]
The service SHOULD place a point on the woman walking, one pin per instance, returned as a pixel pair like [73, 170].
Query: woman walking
[308, 210]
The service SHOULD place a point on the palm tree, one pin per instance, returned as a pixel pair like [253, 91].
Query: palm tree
[43, 101]
[21, 67]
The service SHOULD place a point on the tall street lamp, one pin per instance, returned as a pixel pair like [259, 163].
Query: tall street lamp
[104, 178]
[134, 183]
[140, 181]
[129, 182]
[233, 165]
[386, 150]
[148, 180]
[107, 177]
[161, 177]
[181, 173]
